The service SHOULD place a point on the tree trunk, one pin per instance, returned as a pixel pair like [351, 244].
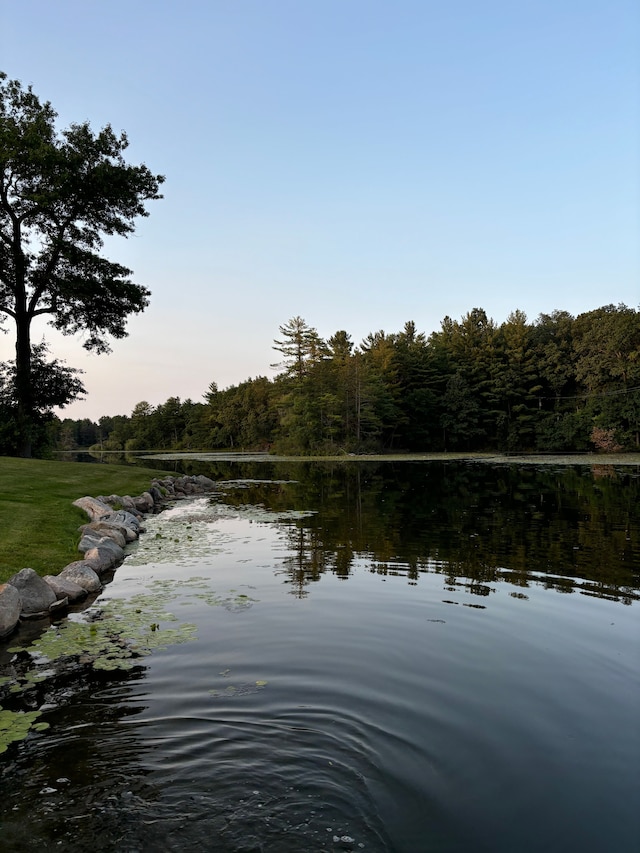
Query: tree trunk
[24, 393]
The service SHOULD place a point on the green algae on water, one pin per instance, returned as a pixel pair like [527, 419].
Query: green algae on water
[15, 726]
[244, 689]
[117, 633]
[114, 638]
[189, 532]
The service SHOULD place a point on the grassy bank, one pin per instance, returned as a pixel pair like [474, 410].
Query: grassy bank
[38, 524]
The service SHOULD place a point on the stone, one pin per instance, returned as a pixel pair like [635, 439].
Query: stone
[166, 484]
[36, 596]
[10, 606]
[95, 509]
[126, 519]
[104, 555]
[63, 587]
[83, 574]
[59, 604]
[128, 504]
[144, 502]
[156, 494]
[89, 539]
[98, 530]
[205, 482]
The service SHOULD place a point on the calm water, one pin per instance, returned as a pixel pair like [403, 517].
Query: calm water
[422, 657]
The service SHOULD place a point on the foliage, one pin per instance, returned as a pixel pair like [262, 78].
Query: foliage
[604, 440]
[61, 193]
[53, 384]
[551, 385]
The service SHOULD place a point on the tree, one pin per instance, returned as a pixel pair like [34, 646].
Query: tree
[53, 384]
[301, 346]
[606, 344]
[468, 349]
[60, 195]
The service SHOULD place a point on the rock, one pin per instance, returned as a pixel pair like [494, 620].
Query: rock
[205, 482]
[128, 504]
[144, 502]
[156, 494]
[98, 530]
[166, 485]
[126, 519]
[36, 596]
[95, 509]
[63, 587]
[104, 555]
[10, 605]
[83, 574]
[89, 539]
[130, 533]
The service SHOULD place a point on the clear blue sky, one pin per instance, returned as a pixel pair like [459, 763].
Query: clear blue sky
[356, 162]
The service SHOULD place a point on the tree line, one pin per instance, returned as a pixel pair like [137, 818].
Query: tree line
[561, 383]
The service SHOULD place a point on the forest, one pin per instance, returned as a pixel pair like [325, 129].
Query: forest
[559, 384]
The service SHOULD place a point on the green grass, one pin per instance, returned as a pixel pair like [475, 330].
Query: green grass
[38, 522]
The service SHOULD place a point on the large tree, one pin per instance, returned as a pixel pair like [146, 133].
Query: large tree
[61, 193]
[53, 384]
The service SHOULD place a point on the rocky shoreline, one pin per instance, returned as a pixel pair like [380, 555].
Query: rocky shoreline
[114, 522]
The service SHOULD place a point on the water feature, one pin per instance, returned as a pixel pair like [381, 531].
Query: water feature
[397, 657]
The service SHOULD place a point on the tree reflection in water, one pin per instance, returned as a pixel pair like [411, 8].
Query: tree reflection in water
[566, 528]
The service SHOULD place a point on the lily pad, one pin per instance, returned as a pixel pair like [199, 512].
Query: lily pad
[15, 726]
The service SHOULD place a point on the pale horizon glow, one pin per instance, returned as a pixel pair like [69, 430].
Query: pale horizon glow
[359, 164]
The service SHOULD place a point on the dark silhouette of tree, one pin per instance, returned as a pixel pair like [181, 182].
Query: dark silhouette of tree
[53, 385]
[61, 193]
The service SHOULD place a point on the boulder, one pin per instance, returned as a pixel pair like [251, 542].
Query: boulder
[205, 482]
[144, 502]
[95, 509]
[83, 574]
[156, 494]
[127, 504]
[9, 609]
[63, 587]
[127, 520]
[89, 539]
[98, 530]
[104, 555]
[36, 596]
[165, 485]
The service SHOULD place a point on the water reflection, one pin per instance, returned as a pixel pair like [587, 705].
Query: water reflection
[427, 688]
[476, 525]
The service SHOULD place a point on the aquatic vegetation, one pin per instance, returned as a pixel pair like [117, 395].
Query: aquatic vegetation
[112, 638]
[16, 725]
[186, 533]
[234, 602]
[116, 633]
[243, 689]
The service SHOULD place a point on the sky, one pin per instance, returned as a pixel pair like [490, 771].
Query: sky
[358, 163]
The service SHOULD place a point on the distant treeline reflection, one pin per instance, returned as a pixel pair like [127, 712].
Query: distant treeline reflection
[567, 528]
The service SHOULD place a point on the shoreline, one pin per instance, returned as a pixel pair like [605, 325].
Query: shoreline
[591, 459]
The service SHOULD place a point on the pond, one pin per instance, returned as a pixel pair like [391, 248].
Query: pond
[387, 657]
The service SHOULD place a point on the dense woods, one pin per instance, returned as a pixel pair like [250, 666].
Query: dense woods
[561, 383]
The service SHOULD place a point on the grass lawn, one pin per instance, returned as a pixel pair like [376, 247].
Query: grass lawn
[38, 523]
